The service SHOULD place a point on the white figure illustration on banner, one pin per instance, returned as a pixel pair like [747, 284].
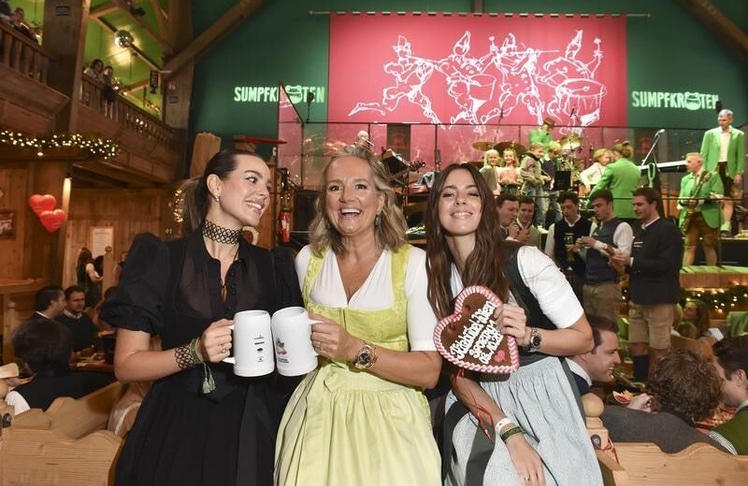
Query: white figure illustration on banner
[467, 84]
[578, 95]
[411, 74]
[507, 78]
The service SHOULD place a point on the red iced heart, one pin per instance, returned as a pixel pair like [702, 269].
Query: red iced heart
[52, 220]
[39, 203]
[470, 337]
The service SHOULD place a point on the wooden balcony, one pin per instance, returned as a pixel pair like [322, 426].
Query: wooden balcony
[150, 150]
[151, 153]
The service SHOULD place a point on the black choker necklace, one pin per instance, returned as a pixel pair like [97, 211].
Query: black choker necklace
[220, 234]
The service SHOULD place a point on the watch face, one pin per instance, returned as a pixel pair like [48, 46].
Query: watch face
[364, 357]
[535, 339]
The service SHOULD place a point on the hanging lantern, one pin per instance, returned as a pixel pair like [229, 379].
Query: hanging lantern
[123, 38]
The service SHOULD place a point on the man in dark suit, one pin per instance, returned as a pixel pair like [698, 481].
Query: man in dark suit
[598, 364]
[82, 327]
[654, 284]
[49, 303]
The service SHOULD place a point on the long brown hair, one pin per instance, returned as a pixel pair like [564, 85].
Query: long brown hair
[485, 264]
[389, 232]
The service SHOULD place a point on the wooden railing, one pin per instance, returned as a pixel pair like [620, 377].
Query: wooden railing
[22, 54]
[117, 108]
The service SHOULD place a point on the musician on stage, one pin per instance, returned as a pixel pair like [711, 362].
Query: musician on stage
[363, 141]
[700, 214]
[723, 149]
[509, 178]
[533, 179]
[490, 170]
[550, 163]
[621, 177]
[542, 134]
[592, 174]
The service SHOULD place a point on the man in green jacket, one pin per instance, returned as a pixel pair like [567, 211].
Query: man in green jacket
[542, 134]
[622, 178]
[700, 215]
[723, 149]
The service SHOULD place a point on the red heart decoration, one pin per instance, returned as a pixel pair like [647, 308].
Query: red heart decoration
[40, 203]
[470, 337]
[52, 220]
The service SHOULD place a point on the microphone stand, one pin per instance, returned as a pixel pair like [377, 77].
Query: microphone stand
[652, 168]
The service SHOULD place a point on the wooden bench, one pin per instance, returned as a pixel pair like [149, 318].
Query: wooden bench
[64, 445]
[641, 463]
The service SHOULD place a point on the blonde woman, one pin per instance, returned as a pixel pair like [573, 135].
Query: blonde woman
[592, 174]
[491, 170]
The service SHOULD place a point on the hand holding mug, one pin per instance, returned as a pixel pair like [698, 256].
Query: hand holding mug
[215, 342]
[332, 341]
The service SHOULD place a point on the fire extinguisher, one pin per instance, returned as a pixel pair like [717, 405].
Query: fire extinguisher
[284, 222]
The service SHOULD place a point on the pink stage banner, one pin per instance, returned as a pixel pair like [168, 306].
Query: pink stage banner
[478, 70]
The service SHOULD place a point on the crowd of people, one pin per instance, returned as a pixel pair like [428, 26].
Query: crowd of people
[362, 416]
[16, 18]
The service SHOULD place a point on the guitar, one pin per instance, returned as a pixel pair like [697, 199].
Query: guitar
[691, 204]
[414, 166]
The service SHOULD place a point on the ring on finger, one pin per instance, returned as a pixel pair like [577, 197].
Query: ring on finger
[223, 348]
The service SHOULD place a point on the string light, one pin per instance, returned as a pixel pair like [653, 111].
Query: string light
[94, 146]
[720, 300]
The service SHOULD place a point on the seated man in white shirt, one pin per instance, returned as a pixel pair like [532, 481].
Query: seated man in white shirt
[598, 364]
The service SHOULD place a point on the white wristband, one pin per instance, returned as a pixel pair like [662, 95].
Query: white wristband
[501, 424]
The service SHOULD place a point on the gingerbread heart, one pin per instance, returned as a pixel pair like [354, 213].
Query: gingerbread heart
[470, 337]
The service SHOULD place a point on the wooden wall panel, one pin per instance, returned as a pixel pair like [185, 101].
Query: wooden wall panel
[128, 211]
[13, 182]
[18, 118]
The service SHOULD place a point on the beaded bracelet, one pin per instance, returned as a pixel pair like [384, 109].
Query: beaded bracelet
[513, 431]
[187, 355]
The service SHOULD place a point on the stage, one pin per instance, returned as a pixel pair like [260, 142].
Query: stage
[734, 270]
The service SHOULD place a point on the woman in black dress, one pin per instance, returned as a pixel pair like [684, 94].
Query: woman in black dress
[201, 424]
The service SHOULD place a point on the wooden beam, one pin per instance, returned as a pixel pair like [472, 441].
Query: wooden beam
[103, 9]
[720, 25]
[126, 8]
[112, 174]
[142, 55]
[230, 20]
[160, 19]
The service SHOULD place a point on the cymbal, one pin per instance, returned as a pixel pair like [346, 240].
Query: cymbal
[571, 142]
[273, 141]
[483, 146]
[518, 147]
